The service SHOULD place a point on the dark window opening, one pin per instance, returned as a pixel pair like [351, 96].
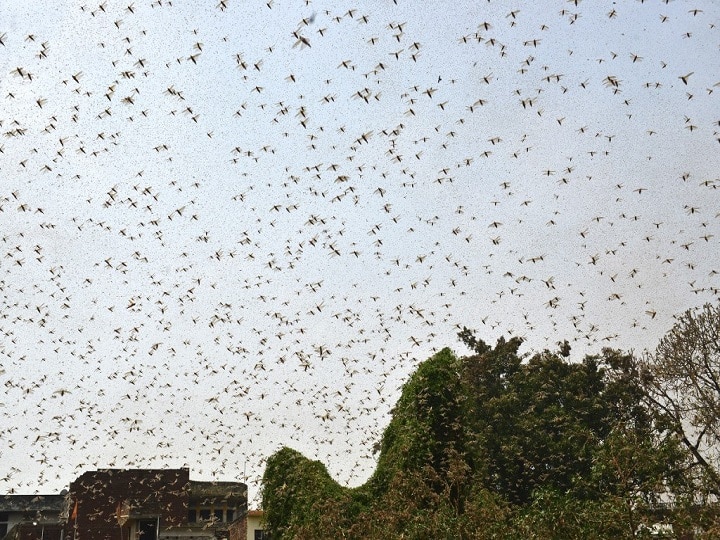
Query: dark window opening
[4, 519]
[192, 516]
[230, 514]
[147, 529]
[218, 515]
[205, 514]
[51, 532]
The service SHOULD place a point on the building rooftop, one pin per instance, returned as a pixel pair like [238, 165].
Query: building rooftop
[32, 503]
[218, 490]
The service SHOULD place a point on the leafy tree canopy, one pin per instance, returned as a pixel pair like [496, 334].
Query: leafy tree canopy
[498, 445]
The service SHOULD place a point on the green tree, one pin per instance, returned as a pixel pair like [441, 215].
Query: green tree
[427, 422]
[298, 495]
[498, 445]
[681, 381]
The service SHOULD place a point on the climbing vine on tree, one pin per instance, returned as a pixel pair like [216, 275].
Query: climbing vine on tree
[497, 444]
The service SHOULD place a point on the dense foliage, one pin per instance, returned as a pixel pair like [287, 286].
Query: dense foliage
[497, 445]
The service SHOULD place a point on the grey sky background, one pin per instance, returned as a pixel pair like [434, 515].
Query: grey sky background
[230, 227]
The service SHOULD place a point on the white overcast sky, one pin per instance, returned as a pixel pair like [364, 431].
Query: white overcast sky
[229, 227]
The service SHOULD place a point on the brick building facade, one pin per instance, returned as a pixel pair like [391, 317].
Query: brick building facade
[109, 504]
[137, 504]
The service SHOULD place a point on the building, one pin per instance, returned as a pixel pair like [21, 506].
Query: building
[255, 525]
[22, 513]
[130, 504]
